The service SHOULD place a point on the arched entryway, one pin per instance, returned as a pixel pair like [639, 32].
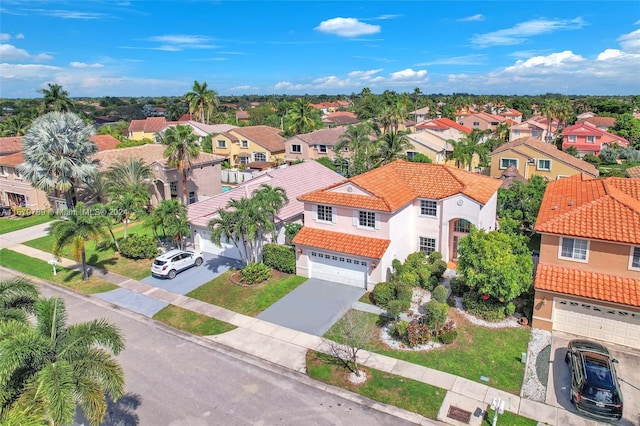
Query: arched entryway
[458, 228]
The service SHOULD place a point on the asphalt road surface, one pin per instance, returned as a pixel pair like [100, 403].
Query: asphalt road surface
[174, 380]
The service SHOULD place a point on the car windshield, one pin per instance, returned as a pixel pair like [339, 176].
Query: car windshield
[159, 262]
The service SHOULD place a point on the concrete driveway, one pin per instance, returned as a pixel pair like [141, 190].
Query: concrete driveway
[313, 307]
[194, 277]
[628, 370]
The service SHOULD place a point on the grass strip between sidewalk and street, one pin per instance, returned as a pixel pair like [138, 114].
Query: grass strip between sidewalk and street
[250, 300]
[65, 277]
[408, 394]
[191, 322]
[507, 418]
[10, 224]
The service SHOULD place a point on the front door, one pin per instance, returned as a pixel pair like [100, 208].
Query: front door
[454, 248]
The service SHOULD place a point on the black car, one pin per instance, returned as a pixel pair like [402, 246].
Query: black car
[595, 390]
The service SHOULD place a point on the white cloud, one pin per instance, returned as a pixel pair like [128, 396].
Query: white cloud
[408, 75]
[180, 39]
[244, 88]
[630, 42]
[364, 75]
[20, 36]
[9, 52]
[178, 42]
[520, 32]
[26, 71]
[83, 65]
[384, 17]
[561, 59]
[5, 36]
[347, 27]
[68, 14]
[473, 18]
[456, 60]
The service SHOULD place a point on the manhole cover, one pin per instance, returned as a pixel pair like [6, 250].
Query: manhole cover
[459, 414]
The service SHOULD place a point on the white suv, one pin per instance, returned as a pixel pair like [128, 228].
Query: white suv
[170, 263]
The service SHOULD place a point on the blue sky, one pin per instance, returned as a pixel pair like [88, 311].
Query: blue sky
[155, 48]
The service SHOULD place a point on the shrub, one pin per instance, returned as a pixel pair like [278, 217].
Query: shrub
[280, 258]
[138, 247]
[399, 330]
[435, 256]
[396, 307]
[435, 314]
[418, 333]
[432, 282]
[458, 286]
[590, 158]
[448, 337]
[290, 231]
[440, 293]
[438, 268]
[608, 156]
[404, 293]
[383, 292]
[509, 309]
[486, 309]
[23, 211]
[255, 273]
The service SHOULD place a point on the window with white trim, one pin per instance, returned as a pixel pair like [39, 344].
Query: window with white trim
[427, 245]
[411, 154]
[296, 149]
[476, 124]
[367, 219]
[4, 170]
[572, 138]
[591, 139]
[16, 173]
[428, 208]
[322, 149]
[506, 162]
[573, 248]
[244, 143]
[516, 133]
[635, 257]
[221, 143]
[325, 213]
[244, 159]
[544, 164]
[259, 156]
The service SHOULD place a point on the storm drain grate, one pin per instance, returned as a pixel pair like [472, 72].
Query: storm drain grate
[459, 414]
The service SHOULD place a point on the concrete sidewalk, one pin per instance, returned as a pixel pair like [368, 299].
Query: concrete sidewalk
[287, 347]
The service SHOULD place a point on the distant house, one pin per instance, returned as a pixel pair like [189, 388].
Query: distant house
[512, 114]
[536, 127]
[314, 145]
[203, 180]
[602, 123]
[482, 121]
[148, 128]
[340, 118]
[355, 228]
[203, 130]
[244, 145]
[434, 144]
[420, 114]
[242, 117]
[587, 281]
[533, 157]
[441, 124]
[588, 139]
[295, 180]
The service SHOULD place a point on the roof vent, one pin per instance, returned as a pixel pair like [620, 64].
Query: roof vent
[554, 208]
[572, 203]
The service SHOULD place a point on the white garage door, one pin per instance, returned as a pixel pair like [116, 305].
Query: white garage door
[203, 241]
[339, 269]
[597, 322]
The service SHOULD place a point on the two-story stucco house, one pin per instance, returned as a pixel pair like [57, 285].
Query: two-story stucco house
[245, 145]
[532, 157]
[482, 121]
[586, 138]
[314, 145]
[355, 228]
[148, 128]
[588, 280]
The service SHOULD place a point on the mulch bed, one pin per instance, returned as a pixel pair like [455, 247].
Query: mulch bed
[235, 278]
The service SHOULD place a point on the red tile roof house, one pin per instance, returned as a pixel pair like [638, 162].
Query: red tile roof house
[296, 180]
[588, 279]
[14, 189]
[482, 121]
[588, 139]
[340, 118]
[147, 128]
[355, 228]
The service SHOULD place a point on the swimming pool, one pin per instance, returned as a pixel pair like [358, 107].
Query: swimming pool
[226, 188]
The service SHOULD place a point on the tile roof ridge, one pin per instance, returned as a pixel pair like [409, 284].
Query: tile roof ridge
[621, 196]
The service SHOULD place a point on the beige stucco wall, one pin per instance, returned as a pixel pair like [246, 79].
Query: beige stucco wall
[35, 198]
[558, 169]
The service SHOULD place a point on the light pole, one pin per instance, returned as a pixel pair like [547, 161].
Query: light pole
[497, 405]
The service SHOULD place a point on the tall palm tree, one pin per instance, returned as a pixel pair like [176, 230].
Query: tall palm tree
[50, 367]
[468, 147]
[301, 117]
[56, 99]
[357, 139]
[416, 95]
[548, 109]
[202, 100]
[16, 125]
[131, 175]
[171, 217]
[17, 296]
[272, 199]
[80, 227]
[127, 205]
[393, 145]
[57, 154]
[182, 150]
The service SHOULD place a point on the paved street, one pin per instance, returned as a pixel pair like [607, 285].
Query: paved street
[173, 380]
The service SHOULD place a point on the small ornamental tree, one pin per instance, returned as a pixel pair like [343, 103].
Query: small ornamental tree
[495, 263]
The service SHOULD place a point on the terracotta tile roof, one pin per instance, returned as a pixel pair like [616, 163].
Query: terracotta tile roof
[587, 129]
[442, 124]
[603, 209]
[265, 136]
[372, 248]
[633, 172]
[295, 180]
[323, 136]
[600, 121]
[576, 282]
[511, 113]
[104, 142]
[394, 185]
[11, 144]
[11, 159]
[550, 150]
[341, 118]
[150, 124]
[150, 153]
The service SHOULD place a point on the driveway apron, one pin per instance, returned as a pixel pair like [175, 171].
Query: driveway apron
[313, 307]
[136, 302]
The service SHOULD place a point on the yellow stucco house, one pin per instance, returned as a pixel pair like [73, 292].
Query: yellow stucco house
[251, 144]
[531, 157]
[148, 128]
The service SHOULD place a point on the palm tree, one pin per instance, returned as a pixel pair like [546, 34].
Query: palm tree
[357, 139]
[416, 95]
[80, 227]
[17, 296]
[548, 109]
[466, 148]
[50, 367]
[182, 150]
[127, 205]
[272, 199]
[171, 217]
[300, 117]
[56, 99]
[202, 100]
[393, 145]
[16, 125]
[131, 175]
[106, 217]
[57, 154]
[96, 189]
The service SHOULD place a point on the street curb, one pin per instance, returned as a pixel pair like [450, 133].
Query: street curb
[242, 356]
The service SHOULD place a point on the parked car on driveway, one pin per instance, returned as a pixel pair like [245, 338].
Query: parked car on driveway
[595, 390]
[170, 263]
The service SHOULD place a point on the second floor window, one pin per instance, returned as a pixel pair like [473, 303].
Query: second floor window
[296, 149]
[244, 143]
[428, 208]
[571, 138]
[259, 156]
[325, 213]
[635, 258]
[221, 143]
[544, 164]
[591, 139]
[367, 219]
[573, 248]
[506, 162]
[476, 124]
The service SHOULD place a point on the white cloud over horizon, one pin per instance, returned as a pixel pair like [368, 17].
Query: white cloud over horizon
[347, 27]
[473, 18]
[519, 33]
[9, 52]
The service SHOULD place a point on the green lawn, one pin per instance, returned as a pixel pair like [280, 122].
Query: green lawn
[387, 388]
[41, 269]
[366, 298]
[508, 418]
[103, 255]
[192, 322]
[10, 224]
[478, 351]
[246, 300]
[615, 169]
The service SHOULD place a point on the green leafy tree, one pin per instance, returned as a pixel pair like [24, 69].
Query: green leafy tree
[327, 162]
[171, 217]
[57, 154]
[521, 201]
[392, 146]
[420, 158]
[117, 130]
[496, 263]
[17, 296]
[56, 99]
[15, 125]
[201, 100]
[302, 117]
[49, 368]
[182, 150]
[628, 127]
[358, 140]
